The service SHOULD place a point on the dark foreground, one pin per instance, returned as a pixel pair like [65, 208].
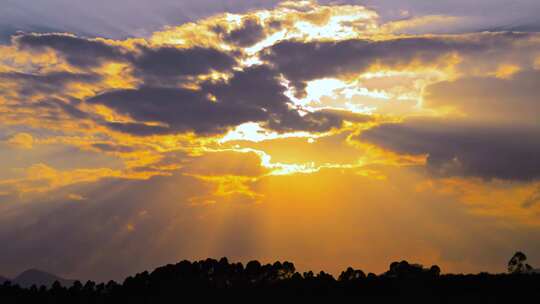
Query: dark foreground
[220, 279]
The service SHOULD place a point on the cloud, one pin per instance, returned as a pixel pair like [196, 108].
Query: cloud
[21, 141]
[168, 97]
[76, 51]
[182, 83]
[108, 147]
[116, 20]
[490, 129]
[464, 149]
[252, 95]
[135, 98]
[304, 61]
[250, 33]
[238, 164]
[317, 121]
[29, 85]
[49, 114]
[180, 109]
[70, 108]
[75, 197]
[513, 100]
[163, 64]
[43, 178]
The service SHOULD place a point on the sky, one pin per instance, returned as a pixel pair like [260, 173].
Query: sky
[332, 134]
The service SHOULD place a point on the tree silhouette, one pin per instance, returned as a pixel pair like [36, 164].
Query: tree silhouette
[517, 264]
[351, 274]
[220, 278]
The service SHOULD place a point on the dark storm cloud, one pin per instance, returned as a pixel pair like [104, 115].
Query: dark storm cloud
[165, 64]
[54, 82]
[254, 94]
[301, 61]
[77, 51]
[250, 33]
[461, 148]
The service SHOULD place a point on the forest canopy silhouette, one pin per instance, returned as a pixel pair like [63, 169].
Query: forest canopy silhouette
[212, 278]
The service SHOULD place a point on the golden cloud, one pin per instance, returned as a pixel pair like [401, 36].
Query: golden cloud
[289, 86]
[21, 140]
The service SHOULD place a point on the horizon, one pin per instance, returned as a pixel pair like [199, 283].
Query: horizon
[331, 134]
[302, 272]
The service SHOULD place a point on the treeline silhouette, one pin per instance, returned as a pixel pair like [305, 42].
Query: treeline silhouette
[213, 278]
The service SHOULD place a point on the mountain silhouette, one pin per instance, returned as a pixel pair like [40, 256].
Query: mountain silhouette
[37, 277]
[3, 279]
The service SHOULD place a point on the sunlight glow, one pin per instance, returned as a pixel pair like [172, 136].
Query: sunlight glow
[252, 131]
